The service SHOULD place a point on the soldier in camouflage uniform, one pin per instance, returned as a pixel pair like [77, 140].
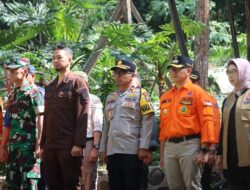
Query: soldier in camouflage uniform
[25, 106]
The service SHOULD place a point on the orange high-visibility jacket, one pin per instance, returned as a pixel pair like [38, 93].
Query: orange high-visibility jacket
[187, 111]
[216, 110]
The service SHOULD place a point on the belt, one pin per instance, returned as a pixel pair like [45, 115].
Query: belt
[184, 138]
[89, 138]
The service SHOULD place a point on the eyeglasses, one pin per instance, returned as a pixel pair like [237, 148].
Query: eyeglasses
[121, 72]
[232, 71]
[174, 70]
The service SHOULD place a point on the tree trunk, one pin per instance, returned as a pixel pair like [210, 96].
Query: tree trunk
[177, 27]
[232, 28]
[201, 44]
[248, 28]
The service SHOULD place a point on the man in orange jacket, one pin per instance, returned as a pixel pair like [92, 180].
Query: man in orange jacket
[186, 127]
[210, 157]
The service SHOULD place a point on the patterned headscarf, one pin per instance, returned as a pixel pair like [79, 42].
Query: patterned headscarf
[243, 67]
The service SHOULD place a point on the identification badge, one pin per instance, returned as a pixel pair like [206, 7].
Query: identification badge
[186, 101]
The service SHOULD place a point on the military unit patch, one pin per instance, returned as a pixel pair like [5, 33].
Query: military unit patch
[184, 109]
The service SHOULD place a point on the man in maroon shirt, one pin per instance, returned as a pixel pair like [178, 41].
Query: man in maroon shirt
[65, 123]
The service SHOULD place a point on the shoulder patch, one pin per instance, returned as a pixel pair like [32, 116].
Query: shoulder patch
[83, 92]
[145, 103]
[207, 103]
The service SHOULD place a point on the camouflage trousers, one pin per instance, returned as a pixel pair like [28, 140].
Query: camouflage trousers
[21, 162]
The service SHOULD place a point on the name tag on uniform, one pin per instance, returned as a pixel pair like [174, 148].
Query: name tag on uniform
[186, 101]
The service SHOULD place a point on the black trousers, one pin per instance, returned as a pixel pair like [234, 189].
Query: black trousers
[206, 177]
[124, 171]
[62, 171]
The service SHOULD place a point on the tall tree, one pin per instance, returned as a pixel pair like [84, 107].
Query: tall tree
[202, 41]
[177, 26]
[232, 28]
[248, 28]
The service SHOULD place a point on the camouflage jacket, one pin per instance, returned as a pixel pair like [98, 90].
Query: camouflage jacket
[25, 104]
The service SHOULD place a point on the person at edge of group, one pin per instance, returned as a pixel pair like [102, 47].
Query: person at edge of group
[21, 132]
[31, 78]
[233, 153]
[65, 124]
[136, 83]
[94, 131]
[1, 116]
[128, 122]
[210, 156]
[186, 127]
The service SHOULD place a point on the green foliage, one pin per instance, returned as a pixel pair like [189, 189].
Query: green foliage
[17, 14]
[120, 36]
[17, 36]
[67, 25]
[213, 86]
[191, 27]
[24, 23]
[219, 33]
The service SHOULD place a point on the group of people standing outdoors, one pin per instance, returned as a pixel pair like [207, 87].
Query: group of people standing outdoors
[67, 128]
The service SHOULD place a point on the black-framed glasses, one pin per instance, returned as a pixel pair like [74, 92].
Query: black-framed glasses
[174, 70]
[121, 72]
[232, 71]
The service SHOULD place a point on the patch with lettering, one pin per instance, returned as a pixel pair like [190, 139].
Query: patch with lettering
[146, 95]
[130, 99]
[145, 103]
[83, 95]
[186, 101]
[128, 104]
[132, 95]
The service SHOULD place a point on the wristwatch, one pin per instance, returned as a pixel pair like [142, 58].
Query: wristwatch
[95, 146]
